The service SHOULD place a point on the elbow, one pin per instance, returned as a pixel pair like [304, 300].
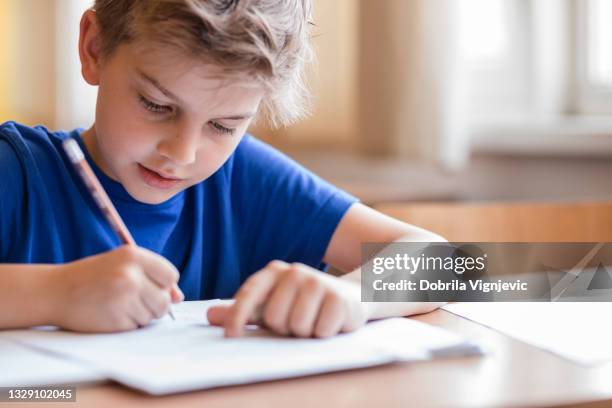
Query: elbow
[417, 308]
[427, 307]
[422, 236]
[433, 237]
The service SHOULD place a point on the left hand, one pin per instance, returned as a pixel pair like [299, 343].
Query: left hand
[293, 299]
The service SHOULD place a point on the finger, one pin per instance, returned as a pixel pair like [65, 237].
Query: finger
[176, 294]
[124, 324]
[156, 300]
[331, 316]
[217, 315]
[278, 307]
[306, 307]
[250, 295]
[140, 314]
[158, 269]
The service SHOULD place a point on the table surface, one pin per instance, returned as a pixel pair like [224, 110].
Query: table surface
[512, 373]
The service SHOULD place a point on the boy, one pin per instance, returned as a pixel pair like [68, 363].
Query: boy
[179, 82]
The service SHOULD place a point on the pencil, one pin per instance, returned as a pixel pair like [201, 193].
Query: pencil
[76, 156]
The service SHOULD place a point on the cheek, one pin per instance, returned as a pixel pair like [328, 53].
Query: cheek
[123, 132]
[125, 139]
[212, 156]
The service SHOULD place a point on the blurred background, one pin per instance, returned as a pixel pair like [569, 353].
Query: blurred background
[415, 100]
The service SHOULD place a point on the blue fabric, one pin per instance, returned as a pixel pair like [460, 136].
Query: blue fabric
[259, 206]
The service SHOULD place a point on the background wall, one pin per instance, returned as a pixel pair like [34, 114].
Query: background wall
[333, 80]
[27, 89]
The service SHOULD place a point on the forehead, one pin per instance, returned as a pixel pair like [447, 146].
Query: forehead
[188, 78]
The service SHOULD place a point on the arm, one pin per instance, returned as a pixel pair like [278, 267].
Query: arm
[118, 290]
[28, 295]
[363, 224]
[294, 299]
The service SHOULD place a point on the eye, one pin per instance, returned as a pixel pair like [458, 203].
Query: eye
[153, 107]
[222, 129]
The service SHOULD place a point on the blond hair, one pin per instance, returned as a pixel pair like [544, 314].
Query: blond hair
[266, 39]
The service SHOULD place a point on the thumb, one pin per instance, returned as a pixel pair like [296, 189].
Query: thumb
[218, 314]
[176, 294]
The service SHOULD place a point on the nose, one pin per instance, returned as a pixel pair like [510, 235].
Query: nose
[180, 149]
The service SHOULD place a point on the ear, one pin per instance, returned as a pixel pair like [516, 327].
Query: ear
[89, 47]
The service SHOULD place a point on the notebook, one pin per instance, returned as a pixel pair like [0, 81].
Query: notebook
[188, 354]
[22, 366]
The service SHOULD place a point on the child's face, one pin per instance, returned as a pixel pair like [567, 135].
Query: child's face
[164, 123]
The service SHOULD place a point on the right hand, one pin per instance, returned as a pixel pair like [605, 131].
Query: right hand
[119, 290]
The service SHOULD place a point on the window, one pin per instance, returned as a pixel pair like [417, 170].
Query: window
[494, 47]
[484, 40]
[594, 57]
[599, 43]
[539, 73]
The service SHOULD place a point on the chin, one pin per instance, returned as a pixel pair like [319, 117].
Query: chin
[152, 197]
[153, 201]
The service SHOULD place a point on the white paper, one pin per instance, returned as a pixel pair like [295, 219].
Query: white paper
[21, 366]
[575, 330]
[194, 311]
[182, 355]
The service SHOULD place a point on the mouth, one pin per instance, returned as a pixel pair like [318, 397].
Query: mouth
[157, 180]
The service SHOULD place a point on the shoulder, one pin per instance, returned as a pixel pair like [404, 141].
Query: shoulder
[267, 178]
[33, 145]
[254, 152]
[260, 163]
[31, 142]
[261, 167]
[17, 131]
[12, 152]
[286, 211]
[12, 182]
[26, 155]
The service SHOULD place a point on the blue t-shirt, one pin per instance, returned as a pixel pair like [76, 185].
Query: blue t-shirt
[259, 206]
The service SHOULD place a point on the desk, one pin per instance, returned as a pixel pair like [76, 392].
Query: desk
[512, 374]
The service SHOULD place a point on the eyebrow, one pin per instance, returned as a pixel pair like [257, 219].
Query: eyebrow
[170, 95]
[156, 84]
[239, 117]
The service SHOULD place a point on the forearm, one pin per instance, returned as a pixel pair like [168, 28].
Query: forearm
[379, 310]
[28, 295]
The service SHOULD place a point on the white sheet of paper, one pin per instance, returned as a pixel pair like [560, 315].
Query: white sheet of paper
[174, 356]
[194, 311]
[22, 366]
[575, 330]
